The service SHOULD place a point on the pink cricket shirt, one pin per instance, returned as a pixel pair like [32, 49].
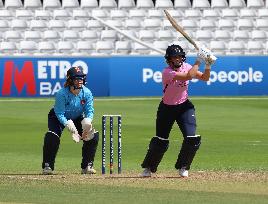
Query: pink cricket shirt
[176, 91]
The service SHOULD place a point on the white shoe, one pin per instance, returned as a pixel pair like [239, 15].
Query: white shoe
[146, 173]
[88, 170]
[183, 172]
[47, 170]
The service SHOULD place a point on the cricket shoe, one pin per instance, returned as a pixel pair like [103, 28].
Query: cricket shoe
[47, 170]
[183, 172]
[146, 173]
[88, 170]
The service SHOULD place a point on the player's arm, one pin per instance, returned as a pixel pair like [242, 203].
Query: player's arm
[87, 127]
[204, 76]
[88, 108]
[190, 74]
[59, 108]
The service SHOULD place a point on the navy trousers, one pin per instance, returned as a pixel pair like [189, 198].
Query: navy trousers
[183, 114]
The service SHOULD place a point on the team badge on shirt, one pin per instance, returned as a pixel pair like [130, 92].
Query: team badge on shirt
[82, 102]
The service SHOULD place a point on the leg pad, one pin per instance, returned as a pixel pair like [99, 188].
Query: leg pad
[50, 149]
[187, 153]
[155, 153]
[89, 150]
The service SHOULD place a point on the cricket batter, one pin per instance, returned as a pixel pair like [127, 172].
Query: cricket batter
[175, 106]
[74, 110]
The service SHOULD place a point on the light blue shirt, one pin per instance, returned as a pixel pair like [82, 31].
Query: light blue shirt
[69, 106]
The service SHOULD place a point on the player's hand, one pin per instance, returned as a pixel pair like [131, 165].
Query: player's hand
[210, 59]
[205, 55]
[71, 127]
[86, 136]
[201, 55]
[87, 128]
[76, 137]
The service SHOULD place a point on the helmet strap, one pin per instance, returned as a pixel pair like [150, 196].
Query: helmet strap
[75, 87]
[74, 90]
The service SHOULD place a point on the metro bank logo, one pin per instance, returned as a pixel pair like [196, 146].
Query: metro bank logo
[35, 77]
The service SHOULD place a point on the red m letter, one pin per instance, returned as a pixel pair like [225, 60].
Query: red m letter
[25, 77]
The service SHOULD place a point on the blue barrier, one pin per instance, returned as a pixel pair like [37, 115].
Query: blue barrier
[129, 76]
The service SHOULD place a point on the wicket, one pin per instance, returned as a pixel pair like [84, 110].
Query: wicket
[119, 144]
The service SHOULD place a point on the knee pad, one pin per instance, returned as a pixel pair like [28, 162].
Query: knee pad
[52, 137]
[193, 141]
[159, 144]
[52, 133]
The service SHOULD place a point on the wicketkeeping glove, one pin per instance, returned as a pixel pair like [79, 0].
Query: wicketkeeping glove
[76, 137]
[89, 135]
[72, 129]
[87, 129]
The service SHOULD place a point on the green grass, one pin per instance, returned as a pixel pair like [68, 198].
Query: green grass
[234, 139]
[60, 192]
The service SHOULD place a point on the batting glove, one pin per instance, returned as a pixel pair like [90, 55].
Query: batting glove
[210, 60]
[205, 55]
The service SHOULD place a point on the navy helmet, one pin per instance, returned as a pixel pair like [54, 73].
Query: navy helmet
[173, 51]
[75, 73]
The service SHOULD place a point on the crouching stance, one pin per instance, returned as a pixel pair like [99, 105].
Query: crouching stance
[74, 110]
[175, 106]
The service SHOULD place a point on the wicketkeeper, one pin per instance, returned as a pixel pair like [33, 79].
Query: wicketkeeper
[175, 106]
[74, 110]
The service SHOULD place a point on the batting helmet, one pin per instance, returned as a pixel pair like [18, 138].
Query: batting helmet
[75, 73]
[173, 51]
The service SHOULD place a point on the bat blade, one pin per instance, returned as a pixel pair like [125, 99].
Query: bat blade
[180, 29]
